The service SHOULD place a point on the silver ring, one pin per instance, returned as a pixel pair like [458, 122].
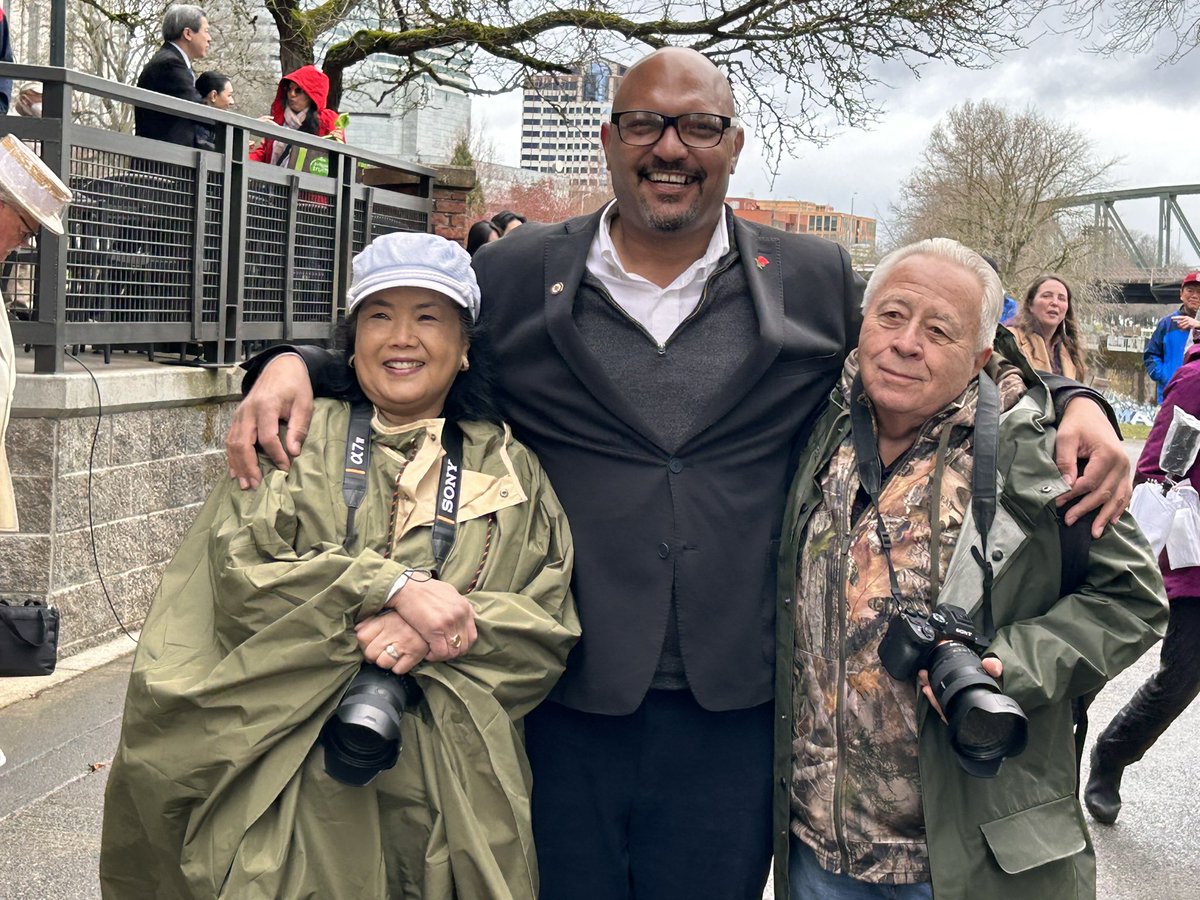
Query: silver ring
[391, 651]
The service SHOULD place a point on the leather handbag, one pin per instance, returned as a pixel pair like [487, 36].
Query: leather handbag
[28, 638]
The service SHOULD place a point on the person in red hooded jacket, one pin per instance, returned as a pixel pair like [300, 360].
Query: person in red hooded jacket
[299, 104]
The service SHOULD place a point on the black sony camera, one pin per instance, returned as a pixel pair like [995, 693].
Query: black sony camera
[985, 725]
[362, 736]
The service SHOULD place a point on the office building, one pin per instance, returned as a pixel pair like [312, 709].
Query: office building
[561, 118]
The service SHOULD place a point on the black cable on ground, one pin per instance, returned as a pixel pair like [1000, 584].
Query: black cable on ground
[91, 521]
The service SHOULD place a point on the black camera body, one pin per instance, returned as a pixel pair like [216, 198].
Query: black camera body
[985, 725]
[911, 638]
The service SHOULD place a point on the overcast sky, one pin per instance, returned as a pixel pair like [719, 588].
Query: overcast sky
[1128, 106]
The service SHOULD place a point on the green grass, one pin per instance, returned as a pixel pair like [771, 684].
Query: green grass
[1134, 432]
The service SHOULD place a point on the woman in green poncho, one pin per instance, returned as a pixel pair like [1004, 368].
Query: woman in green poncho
[219, 786]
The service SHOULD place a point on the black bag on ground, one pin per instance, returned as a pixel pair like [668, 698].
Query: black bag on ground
[28, 638]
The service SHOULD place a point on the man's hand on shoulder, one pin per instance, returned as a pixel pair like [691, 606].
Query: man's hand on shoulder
[1086, 434]
[282, 393]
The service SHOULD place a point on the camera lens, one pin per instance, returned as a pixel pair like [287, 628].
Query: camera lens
[985, 725]
[986, 733]
[362, 737]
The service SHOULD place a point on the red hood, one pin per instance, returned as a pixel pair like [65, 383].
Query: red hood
[313, 82]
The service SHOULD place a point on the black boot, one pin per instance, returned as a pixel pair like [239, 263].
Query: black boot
[1102, 795]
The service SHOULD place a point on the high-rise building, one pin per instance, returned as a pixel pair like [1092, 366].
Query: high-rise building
[561, 118]
[420, 122]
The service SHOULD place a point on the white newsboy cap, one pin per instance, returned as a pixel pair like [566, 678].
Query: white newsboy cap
[29, 182]
[405, 259]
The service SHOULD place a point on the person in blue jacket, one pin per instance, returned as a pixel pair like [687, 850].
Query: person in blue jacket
[1164, 351]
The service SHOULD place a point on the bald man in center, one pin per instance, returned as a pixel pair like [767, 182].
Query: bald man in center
[662, 358]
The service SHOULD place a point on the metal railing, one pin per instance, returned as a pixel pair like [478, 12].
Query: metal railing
[171, 247]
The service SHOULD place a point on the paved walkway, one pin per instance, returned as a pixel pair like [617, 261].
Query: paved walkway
[59, 744]
[59, 733]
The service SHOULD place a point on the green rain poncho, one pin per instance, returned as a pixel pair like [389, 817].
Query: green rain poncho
[218, 787]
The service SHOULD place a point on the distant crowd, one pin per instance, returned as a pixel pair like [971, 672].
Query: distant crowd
[300, 101]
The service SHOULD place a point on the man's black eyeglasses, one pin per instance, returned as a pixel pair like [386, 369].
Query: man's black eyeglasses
[641, 128]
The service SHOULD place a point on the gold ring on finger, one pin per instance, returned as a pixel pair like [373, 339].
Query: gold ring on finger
[456, 641]
[391, 651]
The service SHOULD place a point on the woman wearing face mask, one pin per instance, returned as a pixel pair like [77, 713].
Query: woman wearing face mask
[1046, 330]
[299, 104]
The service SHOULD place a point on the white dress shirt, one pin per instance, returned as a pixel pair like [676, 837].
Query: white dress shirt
[659, 310]
[187, 60]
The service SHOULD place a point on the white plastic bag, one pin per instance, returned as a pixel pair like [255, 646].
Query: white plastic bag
[1170, 521]
[1183, 541]
[1153, 512]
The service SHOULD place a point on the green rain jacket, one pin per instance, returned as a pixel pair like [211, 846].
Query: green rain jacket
[218, 787]
[1022, 833]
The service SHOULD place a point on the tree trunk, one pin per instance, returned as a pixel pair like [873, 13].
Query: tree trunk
[294, 52]
[295, 42]
[334, 72]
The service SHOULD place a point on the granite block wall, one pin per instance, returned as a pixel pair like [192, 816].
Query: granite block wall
[103, 503]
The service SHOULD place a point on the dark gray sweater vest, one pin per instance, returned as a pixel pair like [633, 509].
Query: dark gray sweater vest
[671, 384]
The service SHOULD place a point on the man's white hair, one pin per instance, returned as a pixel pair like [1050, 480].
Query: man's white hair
[953, 252]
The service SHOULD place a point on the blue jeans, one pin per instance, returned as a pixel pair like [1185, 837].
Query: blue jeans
[811, 882]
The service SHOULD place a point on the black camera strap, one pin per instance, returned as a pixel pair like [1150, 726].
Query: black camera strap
[358, 455]
[870, 475]
[983, 479]
[354, 478]
[445, 517]
[986, 453]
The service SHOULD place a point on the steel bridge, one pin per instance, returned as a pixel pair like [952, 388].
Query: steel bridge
[1171, 220]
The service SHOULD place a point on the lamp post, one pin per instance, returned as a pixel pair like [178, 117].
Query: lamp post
[58, 33]
[853, 221]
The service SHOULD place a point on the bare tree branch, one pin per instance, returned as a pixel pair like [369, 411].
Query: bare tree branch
[991, 178]
[795, 67]
[1138, 26]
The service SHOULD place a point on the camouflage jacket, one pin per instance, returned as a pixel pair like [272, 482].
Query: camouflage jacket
[884, 799]
[855, 789]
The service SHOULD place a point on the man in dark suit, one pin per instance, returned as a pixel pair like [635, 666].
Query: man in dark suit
[185, 39]
[662, 358]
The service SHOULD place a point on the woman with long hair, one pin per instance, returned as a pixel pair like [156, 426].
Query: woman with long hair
[299, 104]
[1047, 331]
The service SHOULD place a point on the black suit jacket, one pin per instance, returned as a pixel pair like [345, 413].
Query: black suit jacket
[700, 521]
[167, 73]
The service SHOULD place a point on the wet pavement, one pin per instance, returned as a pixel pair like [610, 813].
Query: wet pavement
[59, 741]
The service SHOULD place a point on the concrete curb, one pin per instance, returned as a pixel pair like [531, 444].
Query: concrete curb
[14, 690]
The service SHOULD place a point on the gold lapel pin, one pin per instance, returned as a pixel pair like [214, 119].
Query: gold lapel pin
[556, 288]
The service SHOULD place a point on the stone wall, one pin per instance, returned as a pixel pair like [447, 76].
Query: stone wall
[157, 453]
[450, 189]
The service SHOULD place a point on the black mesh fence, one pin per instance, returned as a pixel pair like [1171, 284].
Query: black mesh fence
[315, 251]
[266, 252]
[170, 248]
[132, 236]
